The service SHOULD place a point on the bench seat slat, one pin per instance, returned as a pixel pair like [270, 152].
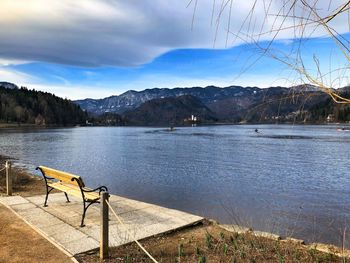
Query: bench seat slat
[62, 176]
[74, 190]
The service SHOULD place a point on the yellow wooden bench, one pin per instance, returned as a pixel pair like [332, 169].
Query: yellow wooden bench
[70, 184]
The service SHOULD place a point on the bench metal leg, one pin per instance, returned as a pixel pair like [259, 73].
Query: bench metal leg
[47, 195]
[82, 219]
[84, 212]
[66, 197]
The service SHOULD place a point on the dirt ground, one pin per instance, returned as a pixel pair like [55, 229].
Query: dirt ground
[210, 243]
[18, 241]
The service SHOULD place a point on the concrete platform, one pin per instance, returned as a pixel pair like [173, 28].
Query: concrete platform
[60, 221]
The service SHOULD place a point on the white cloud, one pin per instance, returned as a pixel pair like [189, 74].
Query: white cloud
[73, 92]
[133, 32]
[15, 76]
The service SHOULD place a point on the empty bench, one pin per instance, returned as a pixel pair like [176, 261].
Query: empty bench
[70, 184]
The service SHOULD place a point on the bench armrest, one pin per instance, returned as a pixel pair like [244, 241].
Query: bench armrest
[44, 175]
[99, 189]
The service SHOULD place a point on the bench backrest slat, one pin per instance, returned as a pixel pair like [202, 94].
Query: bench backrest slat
[61, 176]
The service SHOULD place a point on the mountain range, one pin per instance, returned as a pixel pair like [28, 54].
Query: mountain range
[132, 99]
[228, 104]
[8, 85]
[178, 106]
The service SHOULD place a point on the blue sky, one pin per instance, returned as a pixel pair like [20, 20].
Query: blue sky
[97, 49]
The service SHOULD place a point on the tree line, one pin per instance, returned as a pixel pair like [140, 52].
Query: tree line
[22, 105]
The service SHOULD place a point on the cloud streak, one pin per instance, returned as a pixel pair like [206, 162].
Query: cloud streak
[15, 76]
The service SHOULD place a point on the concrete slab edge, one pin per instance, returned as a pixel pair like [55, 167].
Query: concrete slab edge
[172, 230]
[42, 234]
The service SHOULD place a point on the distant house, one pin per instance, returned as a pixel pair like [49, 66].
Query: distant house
[40, 120]
[192, 119]
[330, 118]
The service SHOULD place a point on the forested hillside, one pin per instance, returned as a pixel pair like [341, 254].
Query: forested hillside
[170, 111]
[331, 111]
[21, 105]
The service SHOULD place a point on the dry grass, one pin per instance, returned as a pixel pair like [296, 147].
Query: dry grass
[210, 243]
[24, 183]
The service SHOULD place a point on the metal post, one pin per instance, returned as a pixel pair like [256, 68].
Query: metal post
[8, 178]
[104, 226]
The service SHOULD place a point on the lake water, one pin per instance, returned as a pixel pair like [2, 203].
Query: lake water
[292, 180]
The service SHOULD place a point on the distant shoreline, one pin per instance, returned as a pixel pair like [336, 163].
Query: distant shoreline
[29, 125]
[33, 126]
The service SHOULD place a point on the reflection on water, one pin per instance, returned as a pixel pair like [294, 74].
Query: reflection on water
[293, 180]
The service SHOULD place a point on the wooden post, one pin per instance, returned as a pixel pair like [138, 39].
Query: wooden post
[8, 178]
[104, 226]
